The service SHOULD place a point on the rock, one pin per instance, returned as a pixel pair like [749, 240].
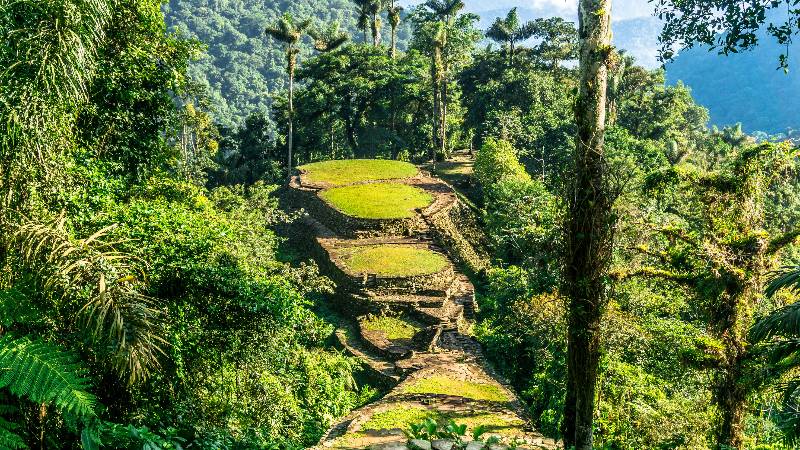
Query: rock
[475, 445]
[442, 444]
[389, 446]
[498, 447]
[419, 444]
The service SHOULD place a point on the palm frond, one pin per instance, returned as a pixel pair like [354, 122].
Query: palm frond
[781, 322]
[114, 313]
[498, 32]
[787, 277]
[44, 373]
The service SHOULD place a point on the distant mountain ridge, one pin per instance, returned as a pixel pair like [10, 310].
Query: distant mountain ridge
[744, 87]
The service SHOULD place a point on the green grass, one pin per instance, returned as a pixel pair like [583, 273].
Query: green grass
[394, 260]
[394, 327]
[448, 386]
[350, 171]
[377, 200]
[398, 417]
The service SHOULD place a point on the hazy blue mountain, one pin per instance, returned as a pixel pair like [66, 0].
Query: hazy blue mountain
[744, 87]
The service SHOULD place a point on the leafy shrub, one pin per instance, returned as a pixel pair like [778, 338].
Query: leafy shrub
[496, 161]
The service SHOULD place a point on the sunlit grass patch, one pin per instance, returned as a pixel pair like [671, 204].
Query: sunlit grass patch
[493, 423]
[399, 417]
[394, 327]
[394, 260]
[340, 172]
[439, 384]
[377, 200]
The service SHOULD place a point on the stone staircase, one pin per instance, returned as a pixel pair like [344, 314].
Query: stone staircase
[437, 369]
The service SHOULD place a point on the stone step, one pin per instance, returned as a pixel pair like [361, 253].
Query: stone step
[382, 369]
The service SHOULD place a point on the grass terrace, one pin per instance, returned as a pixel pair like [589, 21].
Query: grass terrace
[394, 327]
[377, 200]
[349, 171]
[394, 260]
[449, 386]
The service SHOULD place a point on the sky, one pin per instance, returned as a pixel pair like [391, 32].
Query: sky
[622, 9]
[637, 31]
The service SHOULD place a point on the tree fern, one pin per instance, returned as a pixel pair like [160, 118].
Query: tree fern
[44, 373]
[114, 313]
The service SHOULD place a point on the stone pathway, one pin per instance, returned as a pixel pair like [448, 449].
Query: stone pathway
[425, 355]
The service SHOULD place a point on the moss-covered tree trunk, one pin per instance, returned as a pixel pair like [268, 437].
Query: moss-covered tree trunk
[588, 227]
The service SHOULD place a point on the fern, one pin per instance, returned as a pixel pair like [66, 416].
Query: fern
[114, 314]
[9, 439]
[16, 308]
[44, 373]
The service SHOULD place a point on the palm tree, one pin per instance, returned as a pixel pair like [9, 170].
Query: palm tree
[781, 328]
[509, 31]
[394, 12]
[375, 8]
[444, 12]
[289, 33]
[328, 39]
[363, 16]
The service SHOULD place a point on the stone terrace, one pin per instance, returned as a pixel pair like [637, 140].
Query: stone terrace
[408, 324]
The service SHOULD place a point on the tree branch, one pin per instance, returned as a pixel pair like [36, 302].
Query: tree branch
[782, 241]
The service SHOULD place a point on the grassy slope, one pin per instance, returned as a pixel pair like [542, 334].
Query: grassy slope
[377, 200]
[394, 260]
[341, 172]
[394, 327]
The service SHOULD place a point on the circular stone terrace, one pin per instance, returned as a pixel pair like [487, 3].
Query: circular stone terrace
[362, 197]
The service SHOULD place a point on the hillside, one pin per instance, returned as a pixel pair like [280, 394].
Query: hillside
[746, 87]
[242, 69]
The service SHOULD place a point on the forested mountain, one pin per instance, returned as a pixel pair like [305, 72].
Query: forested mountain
[746, 87]
[242, 68]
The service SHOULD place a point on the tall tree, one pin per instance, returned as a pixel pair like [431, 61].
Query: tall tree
[289, 33]
[444, 12]
[589, 237]
[715, 240]
[509, 31]
[558, 41]
[363, 7]
[375, 8]
[393, 12]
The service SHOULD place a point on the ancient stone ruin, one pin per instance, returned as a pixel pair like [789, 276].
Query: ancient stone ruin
[406, 308]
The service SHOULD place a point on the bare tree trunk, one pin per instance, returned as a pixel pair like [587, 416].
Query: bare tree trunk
[511, 53]
[291, 118]
[376, 35]
[435, 115]
[444, 118]
[393, 50]
[589, 235]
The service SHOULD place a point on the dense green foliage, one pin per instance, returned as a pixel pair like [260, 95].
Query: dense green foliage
[140, 309]
[145, 293]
